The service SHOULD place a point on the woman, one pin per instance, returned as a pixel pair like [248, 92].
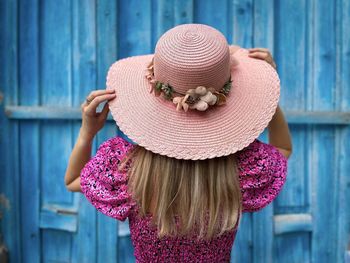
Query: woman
[185, 184]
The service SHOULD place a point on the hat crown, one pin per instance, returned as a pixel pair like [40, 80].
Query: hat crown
[192, 55]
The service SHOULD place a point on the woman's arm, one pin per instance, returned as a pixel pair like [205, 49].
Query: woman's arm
[80, 155]
[92, 122]
[279, 135]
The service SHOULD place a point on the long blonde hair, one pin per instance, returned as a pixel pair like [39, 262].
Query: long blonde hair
[203, 194]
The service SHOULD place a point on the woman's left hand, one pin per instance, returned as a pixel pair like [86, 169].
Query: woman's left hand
[93, 121]
[262, 53]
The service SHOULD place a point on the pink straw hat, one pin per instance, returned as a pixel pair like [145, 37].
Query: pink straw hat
[193, 98]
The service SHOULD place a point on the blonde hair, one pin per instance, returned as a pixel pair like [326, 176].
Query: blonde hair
[203, 194]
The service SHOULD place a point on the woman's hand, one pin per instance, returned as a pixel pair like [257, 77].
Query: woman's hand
[262, 53]
[93, 121]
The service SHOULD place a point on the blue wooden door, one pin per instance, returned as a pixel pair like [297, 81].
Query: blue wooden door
[53, 53]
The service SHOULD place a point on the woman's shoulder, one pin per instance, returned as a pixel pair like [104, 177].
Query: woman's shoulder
[117, 144]
[258, 147]
[262, 174]
[259, 154]
[103, 184]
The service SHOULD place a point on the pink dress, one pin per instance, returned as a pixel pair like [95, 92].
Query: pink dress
[262, 174]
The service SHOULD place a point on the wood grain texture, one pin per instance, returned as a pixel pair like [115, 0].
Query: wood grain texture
[10, 207]
[56, 52]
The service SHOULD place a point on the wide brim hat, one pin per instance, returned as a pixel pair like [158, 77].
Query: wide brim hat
[154, 123]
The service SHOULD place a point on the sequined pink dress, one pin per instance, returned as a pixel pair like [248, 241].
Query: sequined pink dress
[262, 174]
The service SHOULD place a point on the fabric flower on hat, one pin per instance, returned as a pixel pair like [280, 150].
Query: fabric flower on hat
[181, 103]
[150, 77]
[200, 99]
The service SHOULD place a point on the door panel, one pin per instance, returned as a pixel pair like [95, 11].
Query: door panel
[56, 52]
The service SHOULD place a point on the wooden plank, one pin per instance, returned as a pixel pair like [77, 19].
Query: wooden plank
[126, 250]
[43, 112]
[343, 135]
[289, 52]
[318, 117]
[74, 113]
[56, 89]
[287, 223]
[58, 221]
[183, 12]
[13, 172]
[242, 250]
[163, 11]
[10, 177]
[213, 13]
[134, 28]
[56, 53]
[309, 129]
[29, 95]
[107, 36]
[55, 240]
[29, 55]
[30, 189]
[324, 194]
[263, 24]
[263, 235]
[342, 144]
[325, 55]
[243, 20]
[326, 176]
[291, 56]
[292, 247]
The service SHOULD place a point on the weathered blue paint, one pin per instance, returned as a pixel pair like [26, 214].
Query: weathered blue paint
[74, 113]
[55, 52]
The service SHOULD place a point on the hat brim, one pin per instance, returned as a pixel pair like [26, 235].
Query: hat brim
[153, 122]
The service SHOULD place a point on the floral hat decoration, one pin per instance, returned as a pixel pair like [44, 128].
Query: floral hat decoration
[199, 98]
[195, 97]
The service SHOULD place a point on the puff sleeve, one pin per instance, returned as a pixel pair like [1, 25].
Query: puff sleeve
[262, 174]
[103, 185]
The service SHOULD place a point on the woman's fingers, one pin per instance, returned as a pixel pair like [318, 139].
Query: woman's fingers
[264, 55]
[258, 54]
[96, 93]
[91, 108]
[258, 49]
[93, 121]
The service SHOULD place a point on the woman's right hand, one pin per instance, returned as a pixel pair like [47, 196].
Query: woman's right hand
[262, 53]
[93, 121]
